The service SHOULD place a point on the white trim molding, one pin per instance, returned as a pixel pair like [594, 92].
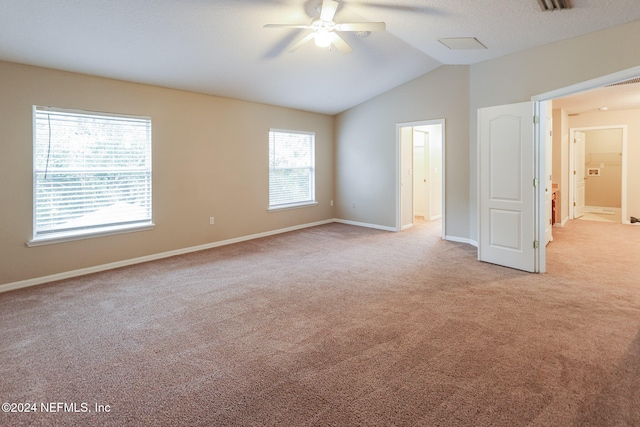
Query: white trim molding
[363, 224]
[104, 267]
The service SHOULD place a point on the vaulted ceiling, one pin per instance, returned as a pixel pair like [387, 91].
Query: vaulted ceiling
[220, 47]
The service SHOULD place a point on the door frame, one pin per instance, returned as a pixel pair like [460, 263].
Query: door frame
[539, 173]
[443, 145]
[538, 139]
[573, 182]
[572, 178]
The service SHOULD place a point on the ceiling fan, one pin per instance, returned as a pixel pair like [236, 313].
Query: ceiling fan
[324, 29]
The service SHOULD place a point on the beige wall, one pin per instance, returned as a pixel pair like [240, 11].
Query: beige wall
[210, 157]
[366, 151]
[520, 76]
[603, 150]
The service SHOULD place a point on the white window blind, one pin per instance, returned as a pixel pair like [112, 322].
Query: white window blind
[92, 172]
[291, 168]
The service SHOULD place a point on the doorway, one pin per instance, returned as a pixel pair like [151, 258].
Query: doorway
[539, 142]
[506, 234]
[421, 172]
[598, 156]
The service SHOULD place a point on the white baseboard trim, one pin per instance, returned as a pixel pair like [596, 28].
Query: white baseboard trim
[124, 263]
[461, 240]
[363, 224]
[405, 227]
[601, 209]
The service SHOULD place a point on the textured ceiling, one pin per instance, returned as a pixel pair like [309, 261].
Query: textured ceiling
[220, 47]
[623, 97]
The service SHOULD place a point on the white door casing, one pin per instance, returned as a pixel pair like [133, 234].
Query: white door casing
[548, 193]
[506, 186]
[427, 193]
[578, 173]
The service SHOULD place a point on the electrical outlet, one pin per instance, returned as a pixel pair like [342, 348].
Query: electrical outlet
[332, 203]
[211, 220]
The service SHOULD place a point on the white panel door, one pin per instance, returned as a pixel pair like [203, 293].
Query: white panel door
[435, 174]
[578, 173]
[506, 191]
[406, 176]
[419, 175]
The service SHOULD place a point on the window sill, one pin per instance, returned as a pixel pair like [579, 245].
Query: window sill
[53, 238]
[292, 206]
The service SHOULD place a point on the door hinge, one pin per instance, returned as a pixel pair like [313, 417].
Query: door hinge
[536, 119]
[574, 203]
[535, 182]
[536, 244]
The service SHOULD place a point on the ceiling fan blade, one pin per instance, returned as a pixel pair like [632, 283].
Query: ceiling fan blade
[308, 38]
[362, 26]
[328, 10]
[339, 43]
[286, 26]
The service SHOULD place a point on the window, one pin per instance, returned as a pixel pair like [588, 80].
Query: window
[92, 174]
[291, 169]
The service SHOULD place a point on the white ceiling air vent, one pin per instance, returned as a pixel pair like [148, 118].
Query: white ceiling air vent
[461, 43]
[554, 4]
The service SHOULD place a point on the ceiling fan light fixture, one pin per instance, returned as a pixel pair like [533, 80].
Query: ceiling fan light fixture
[324, 31]
[322, 38]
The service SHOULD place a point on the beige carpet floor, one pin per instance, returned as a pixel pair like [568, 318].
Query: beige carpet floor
[335, 326]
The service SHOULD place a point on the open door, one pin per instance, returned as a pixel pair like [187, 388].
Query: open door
[506, 231]
[406, 177]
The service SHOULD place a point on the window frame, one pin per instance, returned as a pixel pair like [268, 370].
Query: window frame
[298, 204]
[40, 237]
